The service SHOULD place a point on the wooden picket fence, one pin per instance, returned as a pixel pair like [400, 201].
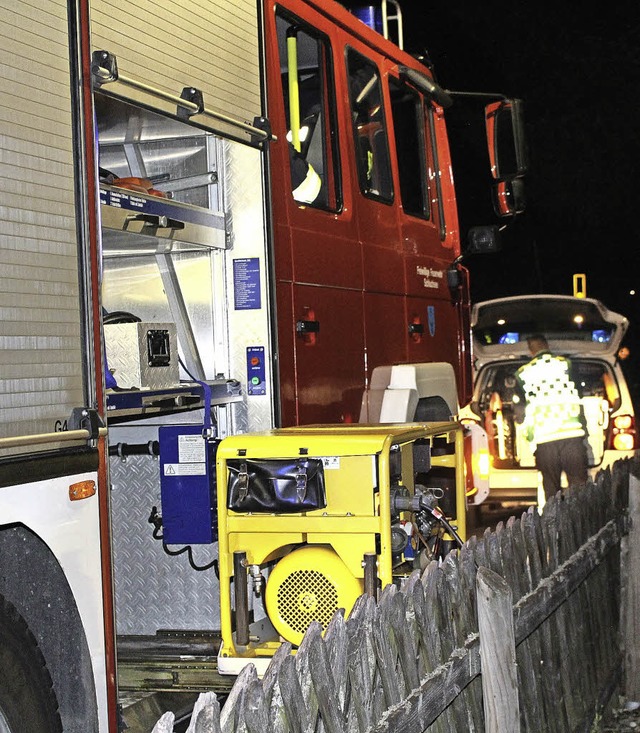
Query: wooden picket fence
[413, 661]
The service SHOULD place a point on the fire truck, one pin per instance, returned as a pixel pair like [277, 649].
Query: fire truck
[216, 219]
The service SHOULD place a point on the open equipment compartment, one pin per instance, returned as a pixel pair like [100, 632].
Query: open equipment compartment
[177, 386]
[161, 204]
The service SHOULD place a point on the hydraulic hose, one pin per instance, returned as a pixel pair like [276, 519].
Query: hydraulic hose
[439, 516]
[420, 502]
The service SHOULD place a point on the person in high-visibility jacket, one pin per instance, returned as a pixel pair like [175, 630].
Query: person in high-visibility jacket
[553, 417]
[305, 181]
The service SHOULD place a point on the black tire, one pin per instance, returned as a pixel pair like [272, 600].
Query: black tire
[27, 700]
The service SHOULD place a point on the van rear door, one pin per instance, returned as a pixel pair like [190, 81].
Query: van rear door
[572, 326]
[582, 329]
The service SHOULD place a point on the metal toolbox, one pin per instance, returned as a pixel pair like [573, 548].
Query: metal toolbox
[142, 355]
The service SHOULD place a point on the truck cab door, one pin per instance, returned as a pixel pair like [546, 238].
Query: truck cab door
[317, 256]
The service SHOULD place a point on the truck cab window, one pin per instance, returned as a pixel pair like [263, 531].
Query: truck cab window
[370, 134]
[409, 134]
[307, 85]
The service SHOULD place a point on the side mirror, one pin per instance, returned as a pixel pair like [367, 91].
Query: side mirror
[505, 139]
[508, 197]
[483, 240]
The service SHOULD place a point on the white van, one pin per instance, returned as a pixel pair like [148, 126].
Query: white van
[583, 330]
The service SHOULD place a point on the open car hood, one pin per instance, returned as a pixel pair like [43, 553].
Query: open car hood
[572, 326]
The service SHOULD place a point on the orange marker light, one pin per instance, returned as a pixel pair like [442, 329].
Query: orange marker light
[623, 441]
[483, 463]
[623, 422]
[82, 490]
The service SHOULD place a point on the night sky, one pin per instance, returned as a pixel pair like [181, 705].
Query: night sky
[577, 68]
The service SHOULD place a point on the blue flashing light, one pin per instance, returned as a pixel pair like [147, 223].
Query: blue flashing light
[370, 15]
[601, 336]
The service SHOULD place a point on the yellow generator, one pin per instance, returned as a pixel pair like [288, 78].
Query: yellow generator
[309, 518]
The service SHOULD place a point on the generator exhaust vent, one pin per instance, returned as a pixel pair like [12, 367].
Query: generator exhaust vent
[309, 584]
[306, 596]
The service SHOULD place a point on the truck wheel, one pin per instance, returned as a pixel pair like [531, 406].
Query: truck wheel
[27, 699]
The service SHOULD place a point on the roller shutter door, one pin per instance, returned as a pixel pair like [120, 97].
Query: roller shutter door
[211, 45]
[40, 343]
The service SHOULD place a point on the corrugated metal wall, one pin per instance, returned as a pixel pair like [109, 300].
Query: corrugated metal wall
[169, 44]
[40, 354]
[211, 45]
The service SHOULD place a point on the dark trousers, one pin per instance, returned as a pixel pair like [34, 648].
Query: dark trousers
[569, 455]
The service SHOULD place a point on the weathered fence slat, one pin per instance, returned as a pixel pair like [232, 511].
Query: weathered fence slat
[530, 669]
[335, 639]
[468, 570]
[567, 634]
[303, 667]
[254, 708]
[422, 628]
[548, 669]
[270, 679]
[498, 653]
[277, 715]
[467, 707]
[229, 711]
[361, 679]
[411, 621]
[323, 681]
[632, 600]
[293, 698]
[429, 641]
[164, 724]
[360, 663]
[440, 604]
[578, 636]
[405, 641]
[205, 717]
[386, 657]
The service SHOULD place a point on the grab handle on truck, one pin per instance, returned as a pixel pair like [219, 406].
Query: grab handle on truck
[104, 70]
[157, 221]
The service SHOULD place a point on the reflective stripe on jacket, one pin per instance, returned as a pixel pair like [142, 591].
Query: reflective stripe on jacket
[553, 408]
[307, 191]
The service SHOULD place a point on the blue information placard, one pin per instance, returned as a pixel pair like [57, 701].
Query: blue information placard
[246, 283]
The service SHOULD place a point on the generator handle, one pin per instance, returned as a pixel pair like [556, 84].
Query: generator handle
[241, 597]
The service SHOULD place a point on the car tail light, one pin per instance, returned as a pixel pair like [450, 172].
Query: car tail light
[623, 433]
[483, 463]
[477, 461]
